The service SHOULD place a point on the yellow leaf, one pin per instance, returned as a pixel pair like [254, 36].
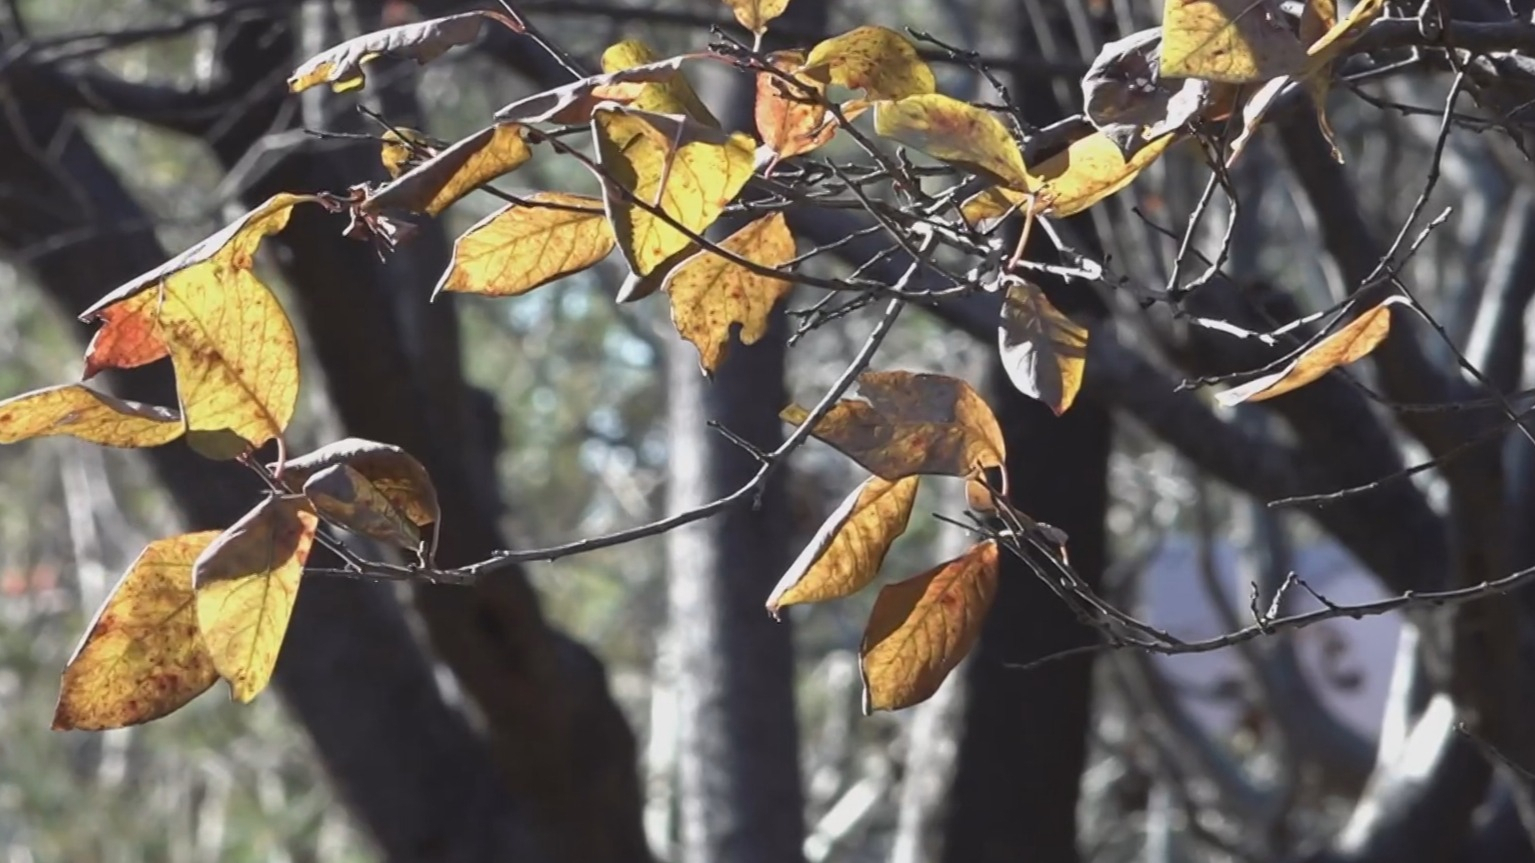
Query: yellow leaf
[404, 149]
[911, 424]
[1065, 184]
[423, 41]
[1316, 18]
[672, 94]
[396, 474]
[521, 247]
[1351, 343]
[233, 347]
[1043, 351]
[754, 15]
[689, 171]
[1235, 41]
[922, 627]
[344, 497]
[81, 412]
[877, 60]
[142, 656]
[572, 104]
[709, 293]
[846, 553]
[246, 581]
[790, 122]
[956, 132]
[437, 183]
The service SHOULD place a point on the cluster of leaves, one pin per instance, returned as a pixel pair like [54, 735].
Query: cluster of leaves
[201, 606]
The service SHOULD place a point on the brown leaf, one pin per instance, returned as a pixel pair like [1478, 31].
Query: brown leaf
[128, 338]
[846, 553]
[1235, 41]
[922, 627]
[437, 183]
[393, 471]
[572, 104]
[246, 581]
[912, 424]
[877, 60]
[710, 294]
[754, 15]
[1351, 343]
[81, 412]
[142, 656]
[346, 498]
[423, 42]
[791, 122]
[956, 132]
[1043, 351]
[524, 246]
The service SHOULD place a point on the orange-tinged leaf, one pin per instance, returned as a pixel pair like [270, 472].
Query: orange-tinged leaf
[792, 122]
[346, 498]
[142, 656]
[846, 553]
[754, 15]
[1090, 169]
[922, 627]
[233, 347]
[424, 41]
[246, 581]
[1235, 41]
[437, 183]
[396, 474]
[672, 94]
[524, 246]
[128, 338]
[1043, 351]
[911, 423]
[404, 148]
[956, 132]
[690, 171]
[710, 293]
[81, 412]
[1351, 343]
[572, 104]
[877, 60]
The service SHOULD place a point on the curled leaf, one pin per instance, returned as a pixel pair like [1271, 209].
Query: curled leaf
[1350, 344]
[710, 293]
[671, 94]
[1235, 41]
[877, 60]
[846, 553]
[791, 121]
[956, 132]
[524, 246]
[437, 183]
[142, 657]
[81, 412]
[572, 104]
[346, 498]
[911, 423]
[246, 581]
[1043, 351]
[423, 42]
[922, 627]
[396, 474]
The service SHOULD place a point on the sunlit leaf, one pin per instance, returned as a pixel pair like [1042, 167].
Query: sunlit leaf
[956, 132]
[1043, 351]
[142, 656]
[671, 94]
[910, 423]
[347, 499]
[1236, 41]
[846, 553]
[1349, 344]
[789, 121]
[524, 246]
[128, 338]
[710, 294]
[404, 148]
[688, 170]
[877, 60]
[81, 412]
[438, 182]
[246, 581]
[342, 66]
[922, 627]
[396, 474]
[754, 15]
[1090, 169]
[572, 104]
[232, 345]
